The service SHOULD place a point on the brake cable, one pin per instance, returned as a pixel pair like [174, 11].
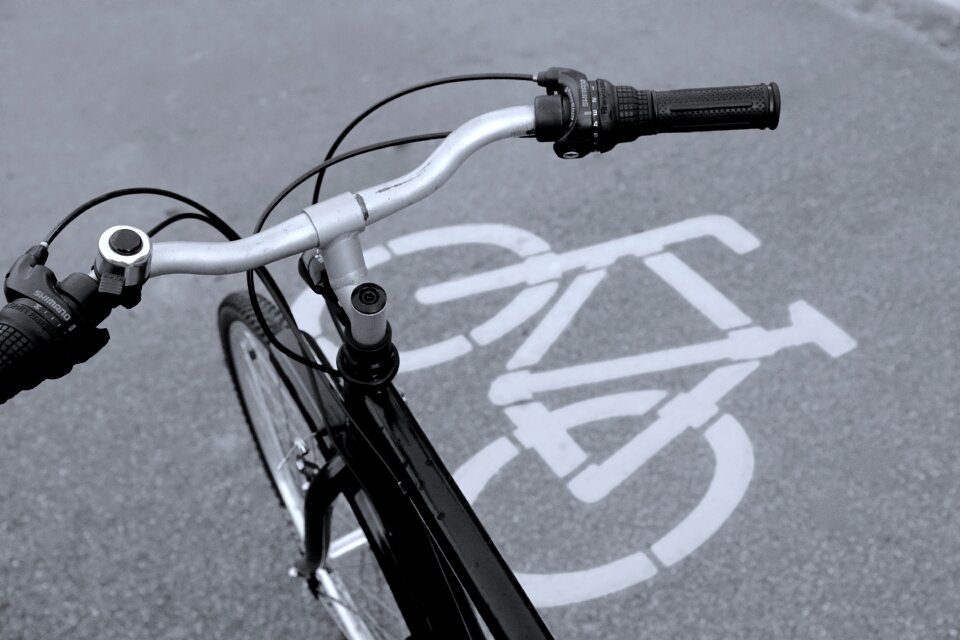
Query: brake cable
[207, 216]
[417, 87]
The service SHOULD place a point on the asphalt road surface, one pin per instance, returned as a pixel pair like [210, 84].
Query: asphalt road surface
[822, 499]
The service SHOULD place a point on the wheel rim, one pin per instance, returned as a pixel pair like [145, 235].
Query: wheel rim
[277, 422]
[274, 416]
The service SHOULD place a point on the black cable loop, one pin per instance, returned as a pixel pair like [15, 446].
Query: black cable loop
[340, 158]
[176, 218]
[284, 308]
[400, 94]
[215, 220]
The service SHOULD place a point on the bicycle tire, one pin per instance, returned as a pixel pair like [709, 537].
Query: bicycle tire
[351, 585]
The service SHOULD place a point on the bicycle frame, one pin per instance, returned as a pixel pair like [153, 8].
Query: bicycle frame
[433, 529]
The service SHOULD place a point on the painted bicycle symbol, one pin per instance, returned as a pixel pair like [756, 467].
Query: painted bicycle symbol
[549, 432]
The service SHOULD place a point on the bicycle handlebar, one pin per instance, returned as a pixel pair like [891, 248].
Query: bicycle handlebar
[347, 213]
[48, 327]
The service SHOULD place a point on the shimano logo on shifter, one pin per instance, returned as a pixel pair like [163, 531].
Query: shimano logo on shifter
[53, 304]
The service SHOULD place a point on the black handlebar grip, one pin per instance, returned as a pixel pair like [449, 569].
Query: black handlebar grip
[17, 362]
[581, 116]
[708, 109]
[47, 327]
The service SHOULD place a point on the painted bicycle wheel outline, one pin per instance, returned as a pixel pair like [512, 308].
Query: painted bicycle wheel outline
[732, 475]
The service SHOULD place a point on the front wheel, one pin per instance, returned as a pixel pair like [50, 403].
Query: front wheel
[351, 585]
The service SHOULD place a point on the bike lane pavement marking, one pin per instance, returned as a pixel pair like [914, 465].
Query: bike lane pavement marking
[547, 432]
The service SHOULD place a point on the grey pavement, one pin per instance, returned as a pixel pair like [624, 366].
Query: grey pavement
[935, 23]
[132, 504]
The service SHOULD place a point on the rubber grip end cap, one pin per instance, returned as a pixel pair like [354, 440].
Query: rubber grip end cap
[775, 115]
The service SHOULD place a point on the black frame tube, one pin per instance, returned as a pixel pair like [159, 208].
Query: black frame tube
[448, 519]
[415, 517]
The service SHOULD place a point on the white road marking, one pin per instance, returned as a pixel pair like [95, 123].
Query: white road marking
[375, 256]
[558, 589]
[558, 317]
[434, 354]
[306, 311]
[549, 266]
[953, 4]
[683, 411]
[701, 294]
[731, 477]
[520, 241]
[820, 330]
[808, 326]
[347, 543]
[519, 310]
[474, 474]
[547, 432]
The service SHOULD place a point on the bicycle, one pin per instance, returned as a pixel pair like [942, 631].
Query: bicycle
[349, 462]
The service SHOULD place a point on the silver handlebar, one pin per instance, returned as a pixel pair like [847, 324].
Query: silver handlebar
[345, 215]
